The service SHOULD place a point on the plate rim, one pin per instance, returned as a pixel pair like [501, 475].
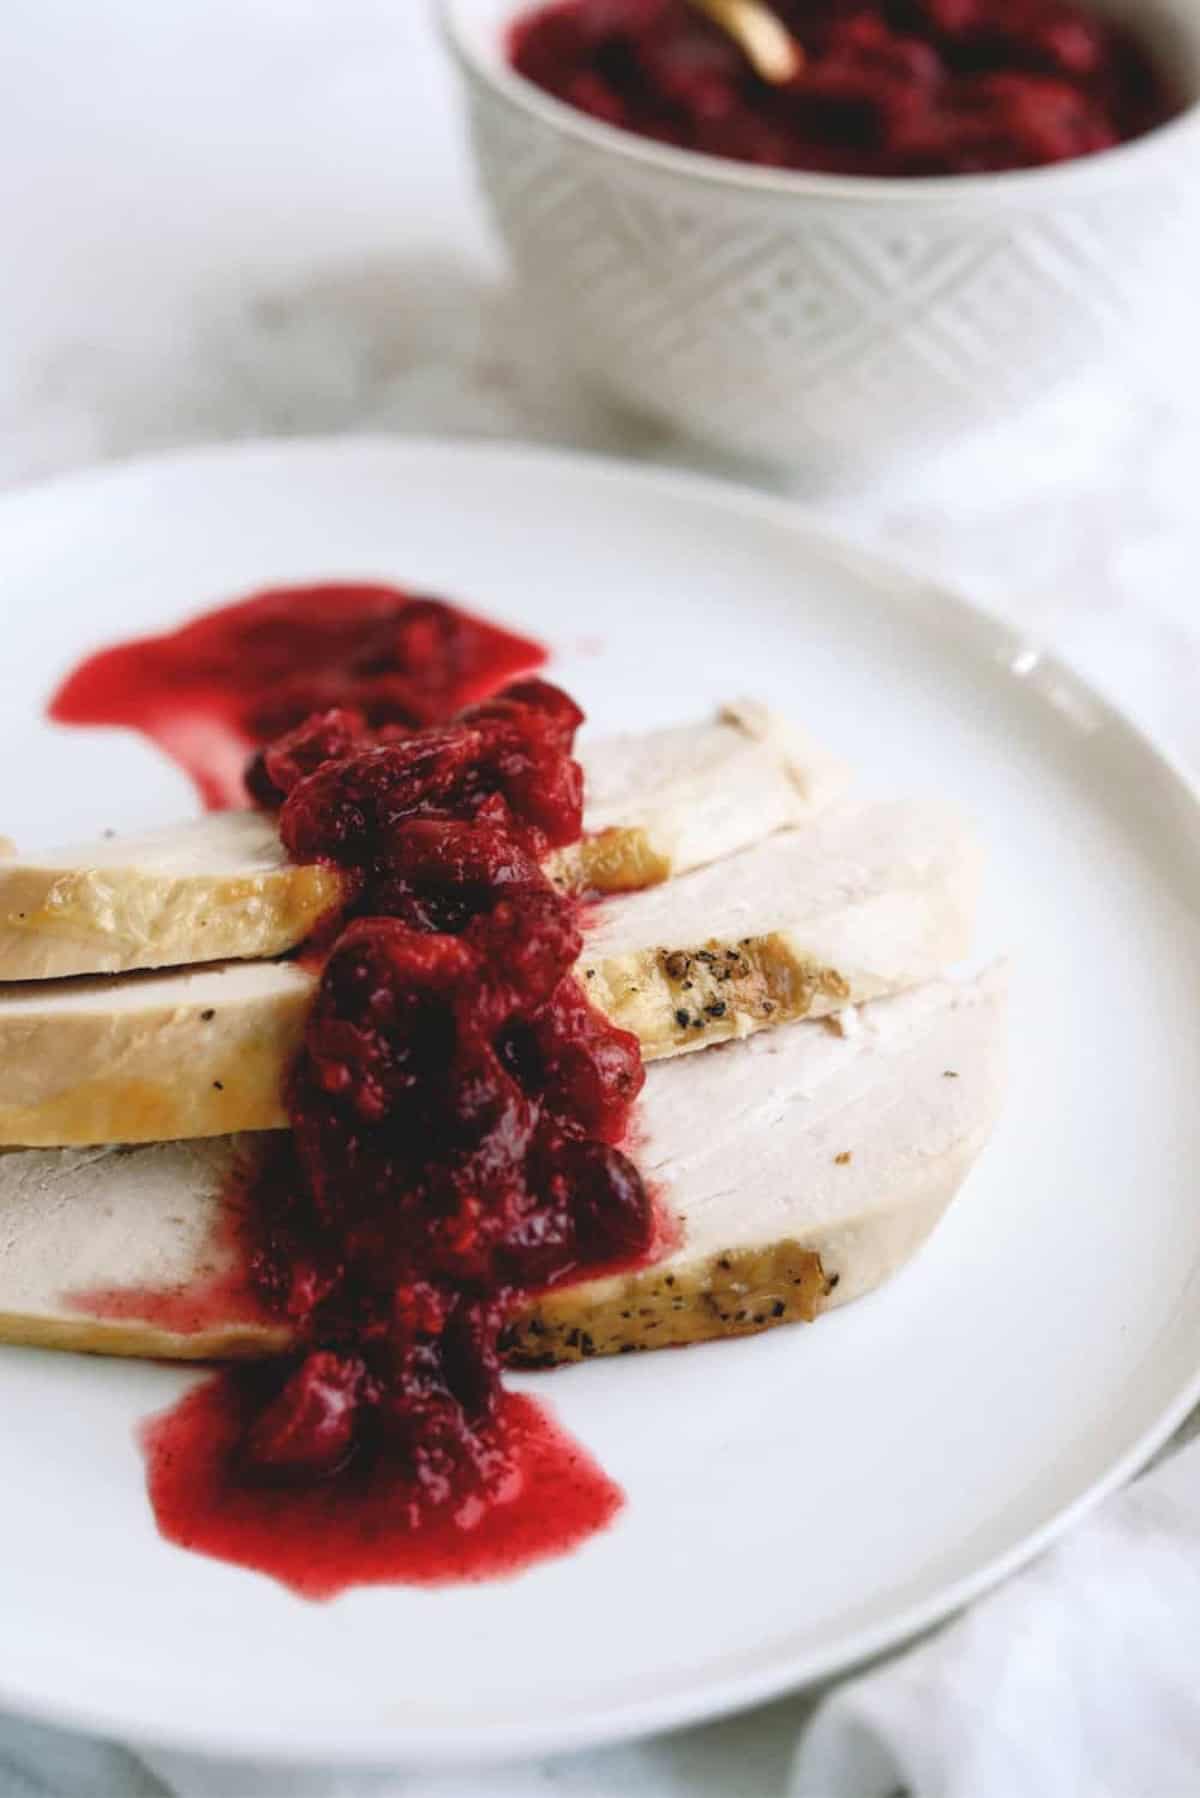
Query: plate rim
[704, 1696]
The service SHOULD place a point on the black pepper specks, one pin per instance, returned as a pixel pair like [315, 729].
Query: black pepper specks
[219, 1086]
[206, 1017]
[683, 1019]
[716, 1009]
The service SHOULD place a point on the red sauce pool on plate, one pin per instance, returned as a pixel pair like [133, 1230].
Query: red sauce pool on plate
[888, 87]
[225, 683]
[369, 1525]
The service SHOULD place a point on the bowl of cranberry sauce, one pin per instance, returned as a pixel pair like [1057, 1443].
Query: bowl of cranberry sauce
[953, 210]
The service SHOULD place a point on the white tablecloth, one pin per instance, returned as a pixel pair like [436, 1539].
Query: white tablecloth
[234, 217]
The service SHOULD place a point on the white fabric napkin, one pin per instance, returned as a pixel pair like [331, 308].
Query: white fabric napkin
[1079, 1678]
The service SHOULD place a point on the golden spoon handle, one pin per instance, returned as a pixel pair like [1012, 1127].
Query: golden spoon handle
[759, 34]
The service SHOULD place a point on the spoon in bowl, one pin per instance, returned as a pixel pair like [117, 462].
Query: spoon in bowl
[759, 34]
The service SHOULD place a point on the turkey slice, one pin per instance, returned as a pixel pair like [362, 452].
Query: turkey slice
[220, 887]
[867, 900]
[802, 1168]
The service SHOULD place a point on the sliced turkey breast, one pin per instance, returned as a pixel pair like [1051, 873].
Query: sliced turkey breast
[866, 900]
[150, 1057]
[660, 803]
[803, 1168]
[215, 887]
[806, 1167]
[222, 887]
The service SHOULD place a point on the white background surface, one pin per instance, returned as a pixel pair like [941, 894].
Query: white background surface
[236, 217]
[231, 217]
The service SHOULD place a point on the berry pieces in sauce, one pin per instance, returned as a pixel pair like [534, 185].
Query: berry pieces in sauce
[889, 87]
[457, 1113]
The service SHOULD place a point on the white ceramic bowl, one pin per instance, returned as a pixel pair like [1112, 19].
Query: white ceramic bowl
[826, 322]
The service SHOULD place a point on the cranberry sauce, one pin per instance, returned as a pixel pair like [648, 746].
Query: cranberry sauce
[535, 1493]
[456, 1112]
[235, 678]
[888, 87]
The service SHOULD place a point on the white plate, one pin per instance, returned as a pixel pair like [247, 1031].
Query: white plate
[794, 1502]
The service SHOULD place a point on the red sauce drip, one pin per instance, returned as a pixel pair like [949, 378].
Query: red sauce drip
[370, 1525]
[233, 679]
[224, 1296]
[456, 1111]
[189, 1310]
[889, 87]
